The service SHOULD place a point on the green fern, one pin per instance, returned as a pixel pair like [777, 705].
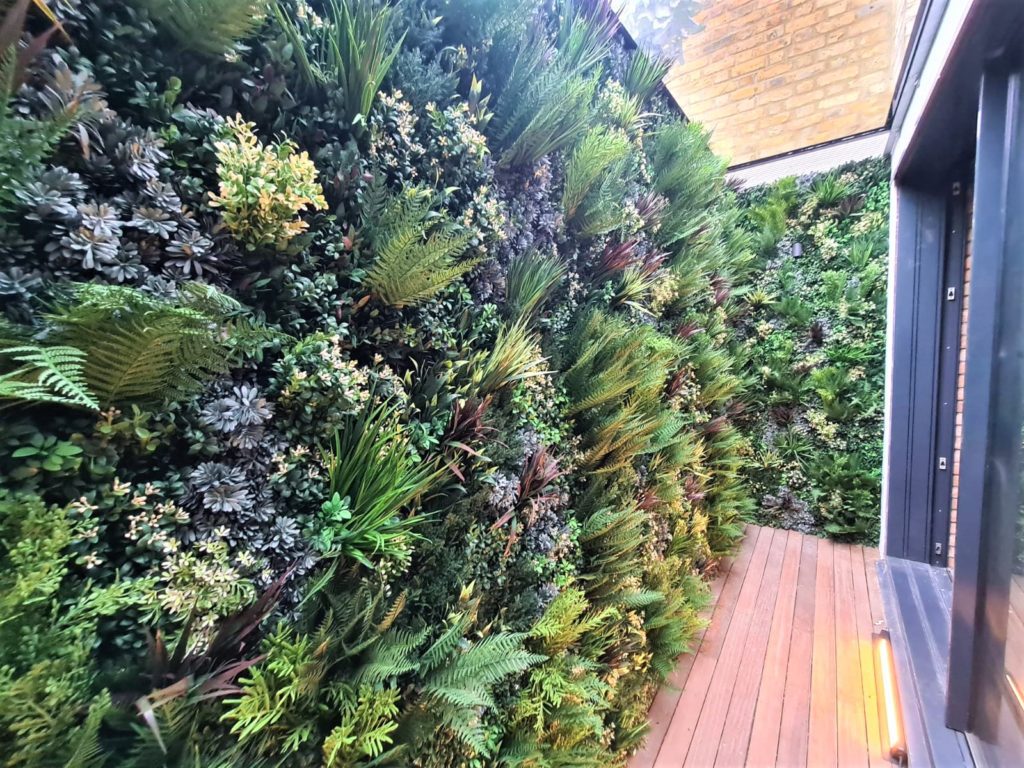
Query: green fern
[368, 720]
[415, 247]
[142, 349]
[689, 175]
[613, 542]
[212, 27]
[46, 375]
[455, 675]
[567, 620]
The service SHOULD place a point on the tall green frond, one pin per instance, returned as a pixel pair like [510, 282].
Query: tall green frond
[591, 160]
[689, 174]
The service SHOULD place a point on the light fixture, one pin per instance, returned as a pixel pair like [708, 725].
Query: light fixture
[1018, 694]
[893, 739]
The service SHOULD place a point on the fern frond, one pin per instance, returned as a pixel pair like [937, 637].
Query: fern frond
[47, 375]
[212, 27]
[416, 249]
[591, 160]
[142, 349]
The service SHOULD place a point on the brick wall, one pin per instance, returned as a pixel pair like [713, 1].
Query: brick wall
[770, 76]
[960, 377]
[904, 13]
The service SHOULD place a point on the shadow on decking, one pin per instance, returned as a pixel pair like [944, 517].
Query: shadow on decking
[784, 674]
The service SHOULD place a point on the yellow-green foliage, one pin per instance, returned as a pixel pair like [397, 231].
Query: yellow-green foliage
[263, 189]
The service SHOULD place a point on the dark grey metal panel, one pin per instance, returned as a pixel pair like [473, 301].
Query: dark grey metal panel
[979, 597]
[916, 598]
[918, 294]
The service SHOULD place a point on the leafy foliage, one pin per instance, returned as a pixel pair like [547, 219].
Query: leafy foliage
[463, 517]
[46, 375]
[138, 348]
[349, 52]
[263, 188]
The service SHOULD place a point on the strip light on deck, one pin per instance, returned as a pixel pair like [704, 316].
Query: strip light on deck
[892, 715]
[1018, 694]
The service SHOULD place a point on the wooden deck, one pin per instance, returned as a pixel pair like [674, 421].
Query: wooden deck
[784, 674]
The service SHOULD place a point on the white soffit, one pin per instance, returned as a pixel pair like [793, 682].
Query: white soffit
[814, 160]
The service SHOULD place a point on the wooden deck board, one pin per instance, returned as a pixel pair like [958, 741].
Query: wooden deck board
[739, 720]
[764, 736]
[698, 689]
[784, 674]
[822, 746]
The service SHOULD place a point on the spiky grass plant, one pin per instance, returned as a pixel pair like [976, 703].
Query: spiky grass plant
[349, 53]
[546, 102]
[514, 356]
[554, 114]
[212, 27]
[644, 74]
[531, 279]
[585, 35]
[415, 247]
[372, 465]
[830, 190]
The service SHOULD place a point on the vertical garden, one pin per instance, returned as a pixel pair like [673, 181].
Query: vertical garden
[814, 334]
[372, 380]
[368, 378]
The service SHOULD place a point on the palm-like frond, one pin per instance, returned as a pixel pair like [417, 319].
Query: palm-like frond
[644, 74]
[688, 174]
[416, 249]
[590, 162]
[209, 26]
